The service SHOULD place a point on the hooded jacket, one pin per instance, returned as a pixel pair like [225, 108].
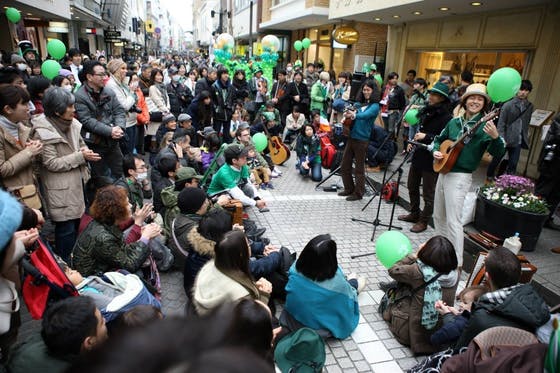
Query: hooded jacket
[522, 308]
[201, 250]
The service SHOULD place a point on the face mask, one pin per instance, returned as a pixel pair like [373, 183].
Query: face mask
[68, 88]
[142, 176]
[21, 66]
[176, 78]
[289, 69]
[133, 86]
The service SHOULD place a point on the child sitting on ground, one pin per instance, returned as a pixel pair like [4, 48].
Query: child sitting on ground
[455, 320]
[259, 172]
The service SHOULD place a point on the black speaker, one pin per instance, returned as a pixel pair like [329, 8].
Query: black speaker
[356, 85]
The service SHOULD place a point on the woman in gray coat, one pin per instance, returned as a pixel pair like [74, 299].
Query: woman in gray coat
[63, 166]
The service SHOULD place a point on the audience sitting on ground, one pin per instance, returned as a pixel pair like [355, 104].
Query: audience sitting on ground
[319, 296]
[101, 247]
[455, 319]
[209, 148]
[227, 277]
[232, 178]
[294, 121]
[380, 153]
[308, 150]
[509, 303]
[167, 167]
[431, 273]
[137, 317]
[70, 328]
[260, 173]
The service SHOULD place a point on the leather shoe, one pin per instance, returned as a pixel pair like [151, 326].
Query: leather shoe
[353, 197]
[419, 227]
[555, 250]
[255, 234]
[344, 193]
[373, 169]
[411, 218]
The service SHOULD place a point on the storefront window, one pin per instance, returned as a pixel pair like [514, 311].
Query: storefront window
[432, 65]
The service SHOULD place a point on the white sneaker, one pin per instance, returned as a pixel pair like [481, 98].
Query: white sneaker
[275, 173]
[361, 284]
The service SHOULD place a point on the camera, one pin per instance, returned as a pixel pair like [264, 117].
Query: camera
[135, 109]
[550, 152]
[349, 107]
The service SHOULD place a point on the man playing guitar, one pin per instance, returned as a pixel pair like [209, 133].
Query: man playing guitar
[452, 187]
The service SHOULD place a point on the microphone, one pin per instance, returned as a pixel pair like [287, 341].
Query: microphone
[419, 144]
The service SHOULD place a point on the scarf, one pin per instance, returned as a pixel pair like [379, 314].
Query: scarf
[10, 127]
[61, 124]
[432, 293]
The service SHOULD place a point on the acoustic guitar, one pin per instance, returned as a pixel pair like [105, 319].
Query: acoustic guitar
[279, 152]
[452, 149]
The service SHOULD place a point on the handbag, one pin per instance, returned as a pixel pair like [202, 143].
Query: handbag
[155, 114]
[29, 195]
[390, 298]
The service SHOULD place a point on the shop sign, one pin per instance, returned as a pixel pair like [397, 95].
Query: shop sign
[345, 35]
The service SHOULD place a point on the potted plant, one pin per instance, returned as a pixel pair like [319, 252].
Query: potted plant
[508, 206]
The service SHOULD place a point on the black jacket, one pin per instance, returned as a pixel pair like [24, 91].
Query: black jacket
[240, 89]
[432, 120]
[180, 96]
[396, 100]
[280, 90]
[203, 84]
[222, 97]
[303, 92]
[201, 114]
[523, 308]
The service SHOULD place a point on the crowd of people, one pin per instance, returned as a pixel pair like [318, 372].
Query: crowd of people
[127, 168]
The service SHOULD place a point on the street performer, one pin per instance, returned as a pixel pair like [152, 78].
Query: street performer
[363, 117]
[452, 187]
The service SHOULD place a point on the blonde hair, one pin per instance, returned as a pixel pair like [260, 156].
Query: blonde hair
[114, 65]
[166, 139]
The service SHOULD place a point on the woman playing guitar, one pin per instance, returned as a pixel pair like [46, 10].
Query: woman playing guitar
[452, 187]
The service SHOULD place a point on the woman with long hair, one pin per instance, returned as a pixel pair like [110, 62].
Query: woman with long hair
[308, 150]
[227, 277]
[363, 117]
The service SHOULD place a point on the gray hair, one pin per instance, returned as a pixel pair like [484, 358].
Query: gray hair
[56, 100]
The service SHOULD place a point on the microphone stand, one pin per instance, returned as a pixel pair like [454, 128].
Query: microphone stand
[376, 222]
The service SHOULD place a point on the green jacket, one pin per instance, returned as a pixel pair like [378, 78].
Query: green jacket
[472, 153]
[318, 96]
[101, 248]
[33, 356]
[169, 198]
[227, 178]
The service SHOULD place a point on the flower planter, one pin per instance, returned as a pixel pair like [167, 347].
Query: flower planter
[503, 222]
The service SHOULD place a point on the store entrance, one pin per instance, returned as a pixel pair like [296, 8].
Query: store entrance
[432, 65]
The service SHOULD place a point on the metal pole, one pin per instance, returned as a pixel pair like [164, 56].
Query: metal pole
[251, 29]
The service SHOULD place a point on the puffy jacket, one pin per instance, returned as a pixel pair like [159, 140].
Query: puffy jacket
[101, 248]
[523, 308]
[63, 169]
[99, 117]
[222, 96]
[201, 250]
[16, 168]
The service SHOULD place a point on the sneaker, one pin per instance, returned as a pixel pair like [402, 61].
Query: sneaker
[275, 173]
[264, 209]
[361, 284]
[269, 186]
[263, 186]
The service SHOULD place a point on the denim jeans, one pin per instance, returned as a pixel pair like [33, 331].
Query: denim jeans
[65, 235]
[131, 138]
[315, 168]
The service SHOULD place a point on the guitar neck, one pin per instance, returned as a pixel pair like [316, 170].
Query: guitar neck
[474, 128]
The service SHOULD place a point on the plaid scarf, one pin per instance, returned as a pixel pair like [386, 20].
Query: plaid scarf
[432, 293]
[499, 296]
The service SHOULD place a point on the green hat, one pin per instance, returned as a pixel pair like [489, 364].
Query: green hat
[268, 115]
[298, 63]
[441, 89]
[303, 351]
[373, 67]
[185, 173]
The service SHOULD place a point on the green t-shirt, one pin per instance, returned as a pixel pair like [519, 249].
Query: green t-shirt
[227, 178]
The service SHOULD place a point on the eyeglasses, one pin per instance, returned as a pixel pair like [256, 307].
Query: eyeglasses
[99, 74]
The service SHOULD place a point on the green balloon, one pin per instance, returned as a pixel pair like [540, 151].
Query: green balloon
[13, 15]
[503, 84]
[411, 117]
[365, 67]
[306, 43]
[50, 69]
[298, 45]
[56, 48]
[391, 247]
[260, 141]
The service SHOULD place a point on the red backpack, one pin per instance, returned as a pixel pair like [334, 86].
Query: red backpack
[328, 151]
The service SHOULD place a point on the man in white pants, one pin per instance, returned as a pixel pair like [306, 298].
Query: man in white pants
[452, 187]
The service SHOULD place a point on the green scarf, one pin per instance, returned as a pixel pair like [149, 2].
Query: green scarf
[432, 293]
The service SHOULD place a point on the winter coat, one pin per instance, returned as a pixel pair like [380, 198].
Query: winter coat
[388, 149]
[183, 225]
[201, 114]
[101, 248]
[99, 117]
[308, 149]
[142, 118]
[180, 97]
[33, 356]
[63, 169]
[240, 89]
[523, 308]
[319, 95]
[513, 123]
[125, 98]
[16, 168]
[160, 98]
[453, 326]
[203, 84]
[302, 91]
[222, 96]
[405, 316]
[364, 121]
[432, 120]
[201, 250]
[280, 91]
[213, 288]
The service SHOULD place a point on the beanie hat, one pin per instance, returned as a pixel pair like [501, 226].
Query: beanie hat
[64, 72]
[190, 200]
[16, 58]
[10, 217]
[168, 118]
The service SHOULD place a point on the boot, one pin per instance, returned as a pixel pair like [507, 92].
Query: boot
[411, 218]
[421, 226]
